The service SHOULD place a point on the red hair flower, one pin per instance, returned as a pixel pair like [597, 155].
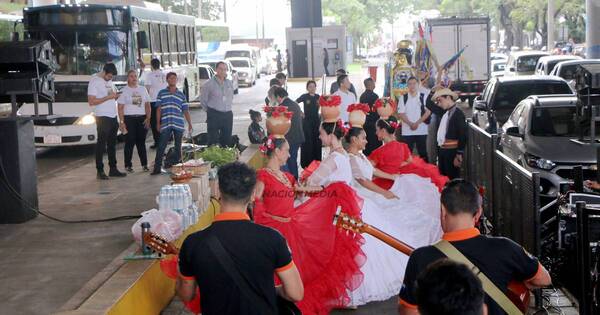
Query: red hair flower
[268, 145]
[481, 191]
[330, 100]
[394, 124]
[359, 106]
[340, 125]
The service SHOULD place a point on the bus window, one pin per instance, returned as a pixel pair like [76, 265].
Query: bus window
[146, 52]
[155, 39]
[173, 44]
[191, 39]
[181, 49]
[164, 45]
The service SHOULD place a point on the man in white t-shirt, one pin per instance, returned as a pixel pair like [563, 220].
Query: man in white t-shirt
[102, 97]
[348, 98]
[154, 81]
[414, 114]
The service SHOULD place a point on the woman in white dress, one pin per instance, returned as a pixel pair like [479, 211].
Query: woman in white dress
[409, 211]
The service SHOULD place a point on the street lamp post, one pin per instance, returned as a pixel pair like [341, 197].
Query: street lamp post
[550, 18]
[592, 33]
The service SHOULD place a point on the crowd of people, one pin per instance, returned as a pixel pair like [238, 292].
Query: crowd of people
[378, 170]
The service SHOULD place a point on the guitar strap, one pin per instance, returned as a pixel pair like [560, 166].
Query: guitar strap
[247, 290]
[488, 286]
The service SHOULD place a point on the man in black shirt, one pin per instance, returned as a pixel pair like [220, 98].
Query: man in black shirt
[256, 252]
[499, 258]
[369, 97]
[451, 135]
[295, 136]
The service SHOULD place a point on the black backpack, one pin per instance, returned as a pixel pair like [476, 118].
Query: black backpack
[422, 100]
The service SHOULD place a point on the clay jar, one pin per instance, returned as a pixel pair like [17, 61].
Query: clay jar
[357, 118]
[330, 113]
[385, 111]
[278, 126]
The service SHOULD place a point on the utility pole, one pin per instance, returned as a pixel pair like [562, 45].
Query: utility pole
[224, 10]
[550, 18]
[263, 21]
[312, 50]
[592, 33]
[256, 21]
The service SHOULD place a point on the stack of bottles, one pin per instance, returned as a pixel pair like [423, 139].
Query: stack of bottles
[178, 198]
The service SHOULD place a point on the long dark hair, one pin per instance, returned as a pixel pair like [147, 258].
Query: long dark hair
[332, 128]
[278, 143]
[353, 132]
[386, 124]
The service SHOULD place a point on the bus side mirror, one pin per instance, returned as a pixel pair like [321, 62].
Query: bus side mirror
[142, 40]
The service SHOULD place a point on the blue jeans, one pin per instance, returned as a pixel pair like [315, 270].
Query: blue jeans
[165, 135]
[292, 163]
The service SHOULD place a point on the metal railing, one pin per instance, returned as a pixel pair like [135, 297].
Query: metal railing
[588, 260]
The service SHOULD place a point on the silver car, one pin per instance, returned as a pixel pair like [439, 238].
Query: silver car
[539, 135]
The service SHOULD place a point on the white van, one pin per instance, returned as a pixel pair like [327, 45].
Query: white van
[245, 51]
[76, 124]
[523, 62]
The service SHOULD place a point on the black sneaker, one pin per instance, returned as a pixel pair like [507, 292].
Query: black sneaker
[129, 169]
[156, 172]
[101, 175]
[145, 168]
[115, 173]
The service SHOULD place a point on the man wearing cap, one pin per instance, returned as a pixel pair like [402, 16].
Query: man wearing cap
[451, 135]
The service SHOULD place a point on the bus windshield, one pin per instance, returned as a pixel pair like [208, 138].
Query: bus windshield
[80, 52]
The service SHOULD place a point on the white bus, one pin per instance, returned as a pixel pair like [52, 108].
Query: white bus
[212, 40]
[85, 37]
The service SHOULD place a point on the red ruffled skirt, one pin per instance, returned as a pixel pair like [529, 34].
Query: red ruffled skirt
[419, 167]
[327, 258]
[170, 267]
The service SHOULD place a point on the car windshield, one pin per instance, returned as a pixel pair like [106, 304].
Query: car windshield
[70, 92]
[237, 53]
[527, 63]
[499, 66]
[553, 122]
[86, 52]
[510, 94]
[240, 63]
[211, 64]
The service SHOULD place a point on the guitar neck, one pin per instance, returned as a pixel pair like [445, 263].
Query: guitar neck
[388, 239]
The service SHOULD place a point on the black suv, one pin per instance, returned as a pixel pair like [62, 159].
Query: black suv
[501, 95]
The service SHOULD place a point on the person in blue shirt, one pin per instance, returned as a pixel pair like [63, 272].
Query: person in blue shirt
[170, 112]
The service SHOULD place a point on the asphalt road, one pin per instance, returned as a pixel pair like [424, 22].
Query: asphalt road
[53, 161]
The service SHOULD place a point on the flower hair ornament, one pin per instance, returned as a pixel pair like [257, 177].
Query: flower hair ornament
[341, 126]
[269, 144]
[330, 100]
[359, 106]
[393, 124]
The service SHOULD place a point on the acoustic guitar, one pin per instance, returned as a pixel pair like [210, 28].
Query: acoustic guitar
[517, 292]
[161, 245]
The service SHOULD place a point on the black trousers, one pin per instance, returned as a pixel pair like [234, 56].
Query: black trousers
[372, 140]
[106, 129]
[311, 148]
[136, 136]
[325, 65]
[420, 142]
[155, 132]
[446, 163]
[219, 126]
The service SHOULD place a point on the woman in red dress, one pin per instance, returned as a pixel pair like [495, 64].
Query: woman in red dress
[394, 157]
[328, 259]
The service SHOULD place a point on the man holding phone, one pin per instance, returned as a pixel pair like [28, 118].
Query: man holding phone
[102, 96]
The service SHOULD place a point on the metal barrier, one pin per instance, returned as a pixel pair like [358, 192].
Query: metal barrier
[511, 194]
[479, 157]
[516, 203]
[588, 260]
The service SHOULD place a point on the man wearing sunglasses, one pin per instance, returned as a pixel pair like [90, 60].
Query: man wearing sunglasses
[451, 135]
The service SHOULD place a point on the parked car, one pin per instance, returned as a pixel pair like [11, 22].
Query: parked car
[523, 62]
[502, 94]
[231, 73]
[246, 70]
[206, 73]
[497, 66]
[546, 64]
[566, 69]
[245, 51]
[538, 135]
